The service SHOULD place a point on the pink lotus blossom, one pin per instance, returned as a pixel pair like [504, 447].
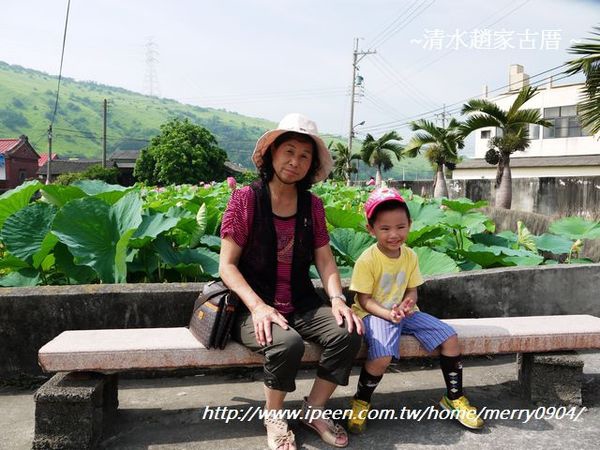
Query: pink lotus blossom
[231, 183]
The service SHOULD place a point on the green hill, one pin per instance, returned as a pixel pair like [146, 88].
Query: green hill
[27, 99]
[27, 102]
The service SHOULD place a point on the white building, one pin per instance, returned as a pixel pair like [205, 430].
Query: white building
[564, 149]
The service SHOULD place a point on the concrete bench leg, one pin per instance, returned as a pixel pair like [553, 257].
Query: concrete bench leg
[72, 408]
[550, 378]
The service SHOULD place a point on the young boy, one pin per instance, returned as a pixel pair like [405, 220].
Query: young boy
[385, 280]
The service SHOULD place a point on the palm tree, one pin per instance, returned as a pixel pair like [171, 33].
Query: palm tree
[589, 64]
[440, 146]
[376, 152]
[513, 126]
[343, 167]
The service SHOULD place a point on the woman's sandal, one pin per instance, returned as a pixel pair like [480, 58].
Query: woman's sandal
[333, 434]
[278, 434]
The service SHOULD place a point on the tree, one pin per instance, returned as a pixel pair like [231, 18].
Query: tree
[109, 175]
[589, 63]
[343, 167]
[181, 153]
[376, 152]
[440, 146]
[513, 135]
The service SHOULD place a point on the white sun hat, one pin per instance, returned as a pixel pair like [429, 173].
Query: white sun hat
[297, 123]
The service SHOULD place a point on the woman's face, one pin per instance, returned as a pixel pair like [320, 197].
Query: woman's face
[292, 160]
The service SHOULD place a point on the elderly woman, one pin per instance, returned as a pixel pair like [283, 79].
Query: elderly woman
[272, 231]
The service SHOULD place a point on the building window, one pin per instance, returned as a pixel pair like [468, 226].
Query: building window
[486, 134]
[22, 175]
[534, 131]
[565, 122]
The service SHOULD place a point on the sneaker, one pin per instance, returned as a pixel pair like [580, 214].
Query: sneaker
[357, 423]
[467, 414]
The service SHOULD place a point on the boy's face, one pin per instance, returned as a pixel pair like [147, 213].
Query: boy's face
[391, 230]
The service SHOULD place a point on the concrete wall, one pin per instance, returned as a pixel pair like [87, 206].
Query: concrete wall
[558, 197]
[522, 291]
[30, 317]
[489, 172]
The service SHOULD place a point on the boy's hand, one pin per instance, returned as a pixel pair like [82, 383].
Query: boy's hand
[407, 306]
[396, 314]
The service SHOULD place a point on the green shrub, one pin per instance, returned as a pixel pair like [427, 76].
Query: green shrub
[96, 172]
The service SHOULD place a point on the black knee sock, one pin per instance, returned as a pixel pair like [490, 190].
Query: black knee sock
[366, 385]
[452, 369]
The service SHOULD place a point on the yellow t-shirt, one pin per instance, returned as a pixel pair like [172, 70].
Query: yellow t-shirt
[385, 279]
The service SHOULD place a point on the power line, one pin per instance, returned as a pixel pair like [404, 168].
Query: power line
[379, 106]
[62, 56]
[273, 98]
[504, 15]
[399, 15]
[232, 98]
[460, 102]
[91, 134]
[443, 55]
[406, 121]
[403, 23]
[456, 110]
[376, 99]
[42, 136]
[385, 68]
[404, 81]
[509, 13]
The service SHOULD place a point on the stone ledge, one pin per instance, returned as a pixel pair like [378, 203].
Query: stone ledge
[32, 316]
[171, 348]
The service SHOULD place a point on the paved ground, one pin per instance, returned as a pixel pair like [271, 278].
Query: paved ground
[167, 413]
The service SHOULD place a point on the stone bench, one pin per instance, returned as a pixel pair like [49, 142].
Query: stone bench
[72, 407]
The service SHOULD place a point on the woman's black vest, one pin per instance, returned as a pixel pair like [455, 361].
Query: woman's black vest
[258, 262]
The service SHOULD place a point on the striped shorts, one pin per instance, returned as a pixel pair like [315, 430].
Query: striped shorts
[383, 337]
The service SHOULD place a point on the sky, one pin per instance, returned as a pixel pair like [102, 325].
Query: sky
[266, 58]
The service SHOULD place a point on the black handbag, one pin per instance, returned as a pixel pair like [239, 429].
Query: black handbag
[213, 316]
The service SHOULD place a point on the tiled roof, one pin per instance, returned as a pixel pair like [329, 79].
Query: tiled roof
[533, 161]
[8, 144]
[61, 166]
[125, 154]
[44, 158]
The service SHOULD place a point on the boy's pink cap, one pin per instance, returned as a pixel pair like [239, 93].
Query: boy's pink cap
[380, 195]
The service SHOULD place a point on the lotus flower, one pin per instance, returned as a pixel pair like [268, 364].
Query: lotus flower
[231, 183]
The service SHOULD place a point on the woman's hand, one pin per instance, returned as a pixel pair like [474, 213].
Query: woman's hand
[262, 318]
[342, 312]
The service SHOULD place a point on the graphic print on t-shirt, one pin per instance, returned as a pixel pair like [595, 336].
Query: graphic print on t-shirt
[387, 283]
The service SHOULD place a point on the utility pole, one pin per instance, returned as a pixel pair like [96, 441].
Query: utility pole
[356, 57]
[104, 137]
[49, 154]
[443, 116]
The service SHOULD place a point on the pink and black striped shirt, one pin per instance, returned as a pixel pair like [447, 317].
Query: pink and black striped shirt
[237, 220]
